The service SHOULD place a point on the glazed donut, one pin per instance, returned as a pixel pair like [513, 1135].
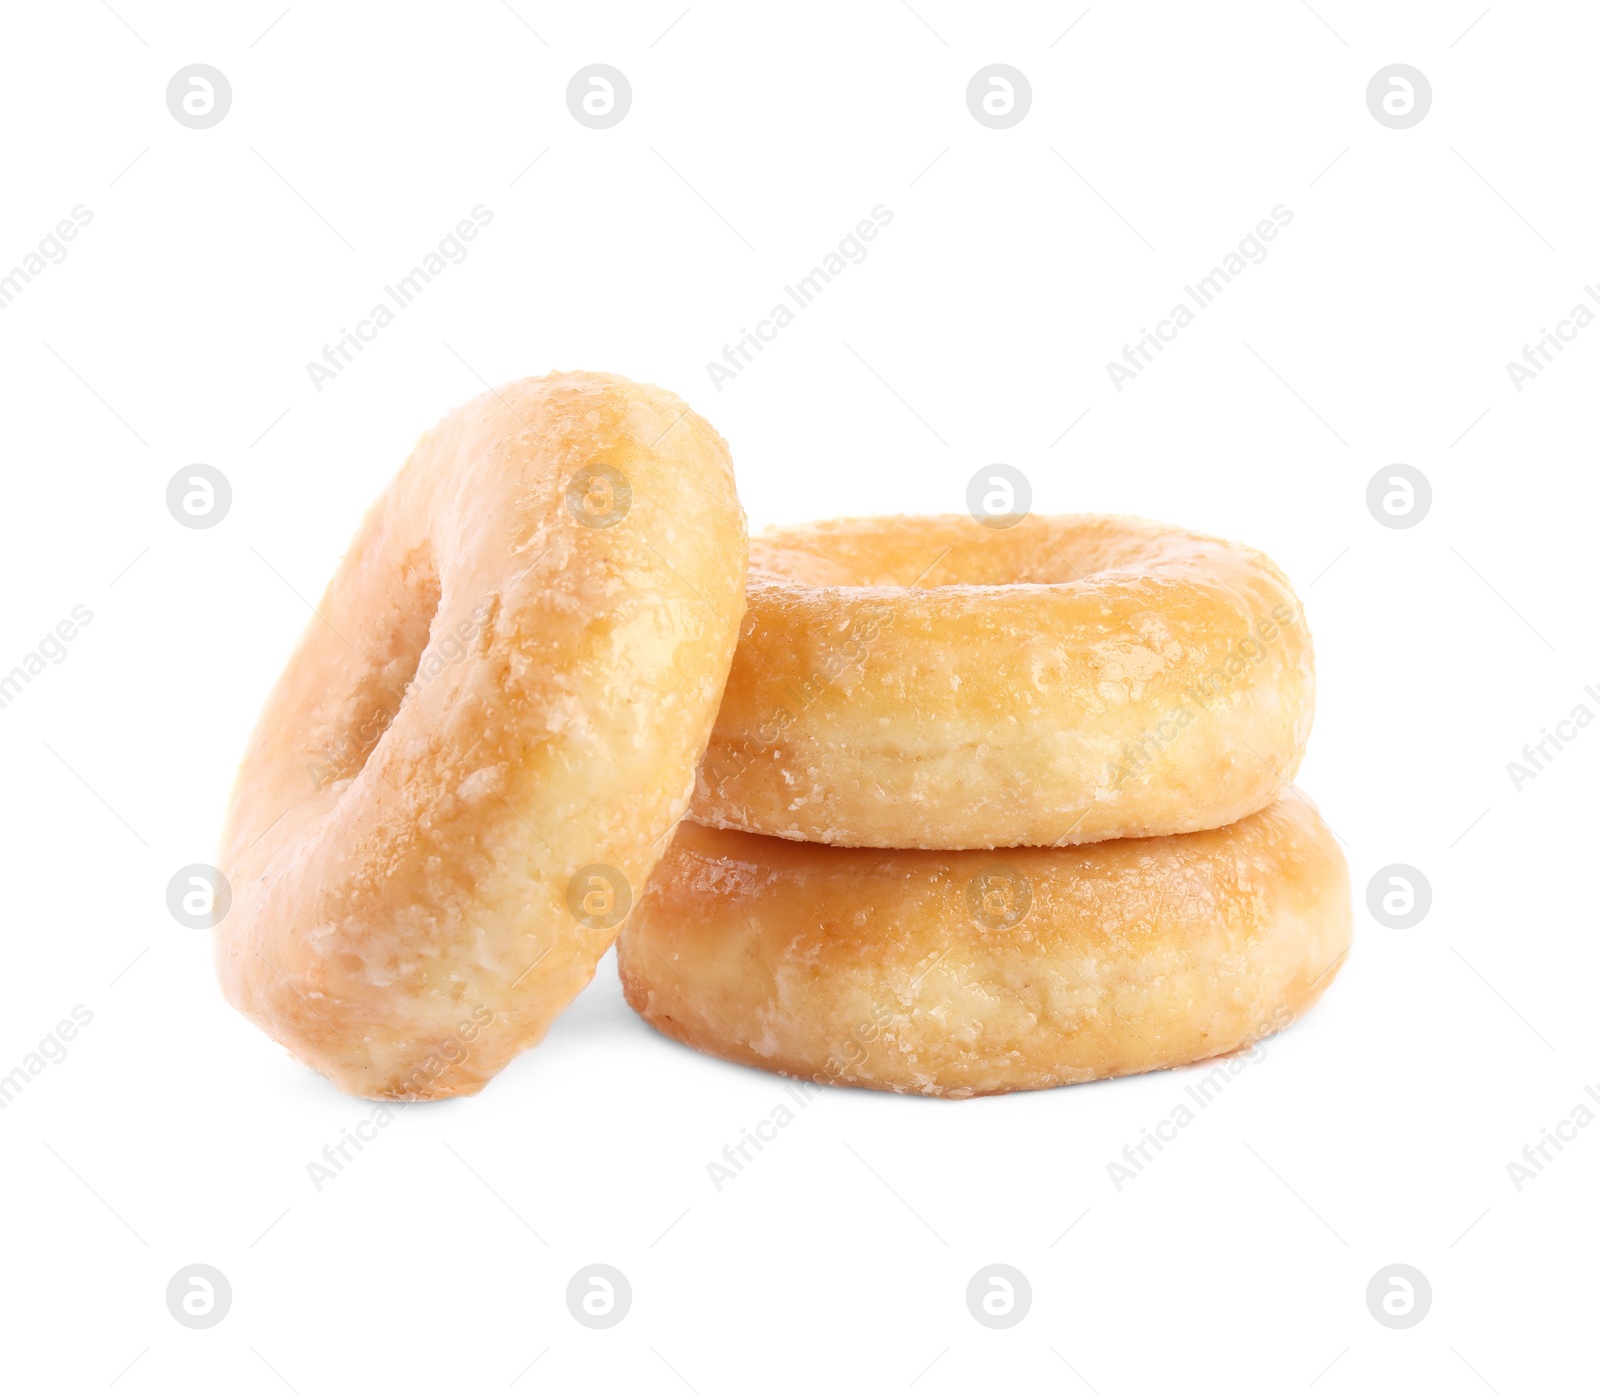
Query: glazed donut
[963, 973]
[930, 682]
[485, 736]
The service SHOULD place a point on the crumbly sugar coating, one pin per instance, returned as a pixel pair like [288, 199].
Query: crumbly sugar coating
[934, 683]
[961, 973]
[510, 681]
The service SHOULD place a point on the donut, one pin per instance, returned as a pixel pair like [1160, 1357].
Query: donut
[485, 737]
[934, 683]
[962, 973]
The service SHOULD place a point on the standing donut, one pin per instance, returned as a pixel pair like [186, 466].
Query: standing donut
[479, 749]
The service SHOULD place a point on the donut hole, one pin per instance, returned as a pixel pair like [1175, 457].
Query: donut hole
[954, 551]
[387, 664]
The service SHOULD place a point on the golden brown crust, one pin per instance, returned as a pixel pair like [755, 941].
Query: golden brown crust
[494, 697]
[963, 973]
[930, 682]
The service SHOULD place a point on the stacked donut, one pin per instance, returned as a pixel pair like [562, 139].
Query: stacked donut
[990, 808]
[983, 807]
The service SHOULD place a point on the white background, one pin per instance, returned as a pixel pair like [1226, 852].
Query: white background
[977, 330]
